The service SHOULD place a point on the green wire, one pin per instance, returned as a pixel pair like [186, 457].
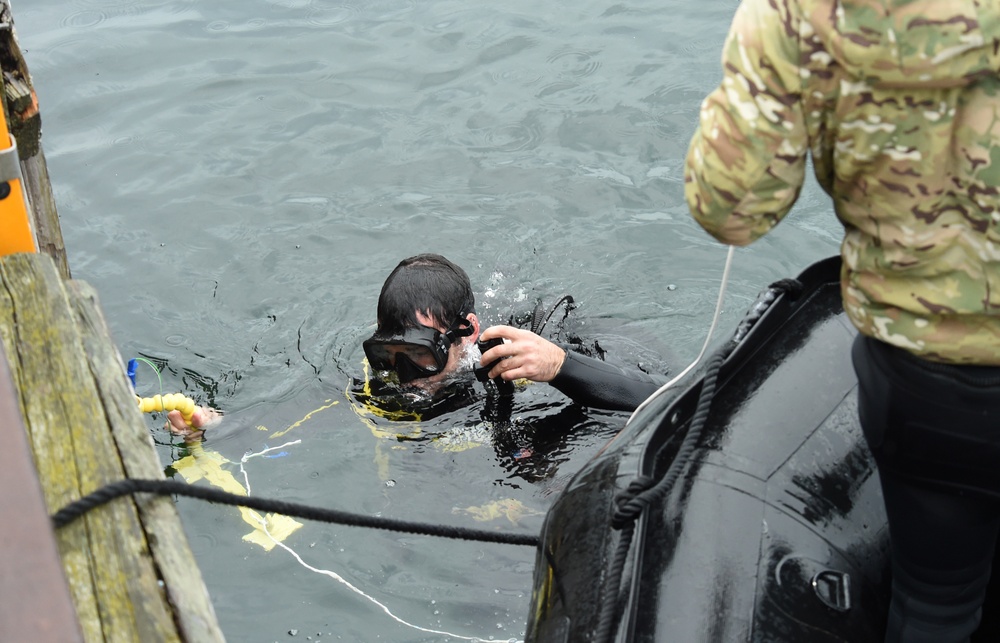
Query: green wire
[155, 370]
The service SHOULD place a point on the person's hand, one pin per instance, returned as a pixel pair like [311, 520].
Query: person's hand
[529, 356]
[201, 418]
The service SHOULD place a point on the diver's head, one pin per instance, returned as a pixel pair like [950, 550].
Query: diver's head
[426, 321]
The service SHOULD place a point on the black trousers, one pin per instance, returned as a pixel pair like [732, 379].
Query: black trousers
[934, 430]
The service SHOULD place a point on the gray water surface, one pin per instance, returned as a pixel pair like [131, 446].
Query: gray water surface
[236, 179]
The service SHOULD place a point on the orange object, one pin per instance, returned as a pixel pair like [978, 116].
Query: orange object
[16, 234]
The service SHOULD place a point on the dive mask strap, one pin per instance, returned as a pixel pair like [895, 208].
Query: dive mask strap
[461, 327]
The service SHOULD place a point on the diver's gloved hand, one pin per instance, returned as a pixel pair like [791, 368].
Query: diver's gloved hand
[529, 356]
[202, 418]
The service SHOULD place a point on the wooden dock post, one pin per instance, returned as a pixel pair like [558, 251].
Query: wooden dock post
[130, 571]
[24, 119]
[70, 425]
[31, 572]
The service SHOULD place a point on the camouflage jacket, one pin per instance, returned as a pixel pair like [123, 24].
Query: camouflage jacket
[898, 103]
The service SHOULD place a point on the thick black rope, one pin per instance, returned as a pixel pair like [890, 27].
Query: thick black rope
[109, 492]
[792, 287]
[643, 491]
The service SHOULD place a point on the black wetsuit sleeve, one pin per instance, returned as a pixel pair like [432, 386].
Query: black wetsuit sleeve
[592, 382]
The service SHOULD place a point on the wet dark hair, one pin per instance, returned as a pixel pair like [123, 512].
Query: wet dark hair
[428, 283]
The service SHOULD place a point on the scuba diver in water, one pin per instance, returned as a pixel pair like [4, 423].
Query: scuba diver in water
[427, 325]
[897, 102]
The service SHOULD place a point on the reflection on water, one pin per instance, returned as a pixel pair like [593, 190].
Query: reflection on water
[237, 178]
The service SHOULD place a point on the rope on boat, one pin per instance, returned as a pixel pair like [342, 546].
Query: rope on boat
[109, 492]
[643, 491]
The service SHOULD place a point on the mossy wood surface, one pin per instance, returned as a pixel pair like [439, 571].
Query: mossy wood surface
[85, 431]
[31, 571]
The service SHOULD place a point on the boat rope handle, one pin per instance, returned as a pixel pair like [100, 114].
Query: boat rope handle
[644, 491]
[168, 402]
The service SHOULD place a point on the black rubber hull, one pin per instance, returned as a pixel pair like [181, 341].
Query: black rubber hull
[775, 530]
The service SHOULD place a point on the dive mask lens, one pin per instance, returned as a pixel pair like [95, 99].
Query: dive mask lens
[416, 353]
[383, 357]
[407, 371]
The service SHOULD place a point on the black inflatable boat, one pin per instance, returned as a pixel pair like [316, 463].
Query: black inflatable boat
[773, 529]
[742, 505]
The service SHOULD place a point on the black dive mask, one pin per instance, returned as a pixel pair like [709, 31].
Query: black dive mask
[416, 352]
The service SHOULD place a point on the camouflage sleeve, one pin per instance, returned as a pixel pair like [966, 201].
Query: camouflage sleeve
[746, 162]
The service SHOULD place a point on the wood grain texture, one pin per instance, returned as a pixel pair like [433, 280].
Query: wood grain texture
[128, 565]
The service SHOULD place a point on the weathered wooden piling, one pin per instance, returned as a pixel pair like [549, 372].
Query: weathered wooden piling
[130, 571]
[70, 425]
[29, 560]
[25, 122]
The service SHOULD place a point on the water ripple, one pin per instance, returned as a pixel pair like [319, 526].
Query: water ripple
[383, 9]
[329, 16]
[282, 103]
[126, 140]
[176, 340]
[326, 86]
[574, 64]
[523, 76]
[206, 541]
[291, 4]
[113, 3]
[555, 88]
[84, 19]
[513, 137]
[161, 140]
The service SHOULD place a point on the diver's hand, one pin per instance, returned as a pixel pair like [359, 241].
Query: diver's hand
[201, 418]
[528, 355]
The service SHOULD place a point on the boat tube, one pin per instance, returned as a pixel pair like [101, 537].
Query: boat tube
[774, 529]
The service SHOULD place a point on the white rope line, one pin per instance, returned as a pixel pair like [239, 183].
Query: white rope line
[251, 454]
[708, 339]
[340, 579]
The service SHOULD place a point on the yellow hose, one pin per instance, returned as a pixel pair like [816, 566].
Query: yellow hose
[168, 402]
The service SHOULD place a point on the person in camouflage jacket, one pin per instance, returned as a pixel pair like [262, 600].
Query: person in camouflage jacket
[898, 104]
